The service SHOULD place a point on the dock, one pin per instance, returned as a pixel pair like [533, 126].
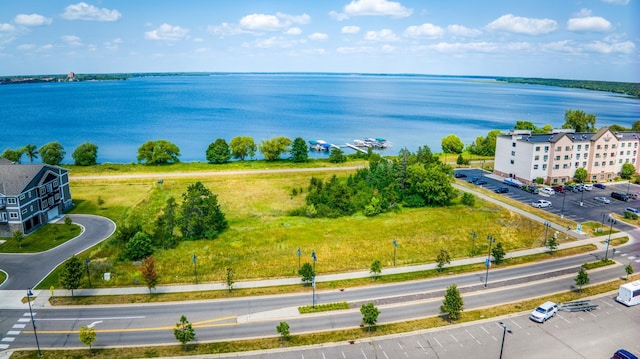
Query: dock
[355, 148]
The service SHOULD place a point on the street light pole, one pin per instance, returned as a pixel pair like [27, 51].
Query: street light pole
[474, 235]
[488, 262]
[313, 279]
[606, 253]
[505, 330]
[546, 229]
[299, 254]
[33, 322]
[564, 195]
[195, 267]
[395, 247]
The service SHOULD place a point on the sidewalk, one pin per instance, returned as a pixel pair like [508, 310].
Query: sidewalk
[12, 299]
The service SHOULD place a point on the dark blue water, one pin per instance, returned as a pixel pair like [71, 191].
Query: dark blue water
[193, 111]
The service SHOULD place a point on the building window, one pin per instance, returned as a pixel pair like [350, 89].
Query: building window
[611, 163]
[536, 158]
[535, 167]
[544, 167]
[601, 176]
[537, 148]
[584, 164]
[613, 154]
[11, 200]
[563, 180]
[597, 155]
[13, 215]
[557, 158]
[513, 153]
[546, 148]
[566, 157]
[604, 155]
[577, 164]
[595, 164]
[567, 148]
[513, 144]
[621, 153]
[579, 147]
[613, 146]
[565, 166]
[586, 147]
[606, 147]
[558, 149]
[555, 181]
[598, 147]
[511, 161]
[604, 163]
[577, 156]
[545, 158]
[556, 166]
[622, 144]
[594, 178]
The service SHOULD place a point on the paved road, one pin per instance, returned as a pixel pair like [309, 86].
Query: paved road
[27, 270]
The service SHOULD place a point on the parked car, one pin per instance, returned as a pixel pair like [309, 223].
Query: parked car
[544, 311]
[480, 182]
[587, 187]
[530, 189]
[623, 354]
[570, 188]
[541, 203]
[604, 200]
[473, 179]
[501, 190]
[559, 189]
[599, 185]
[619, 196]
[459, 175]
[548, 190]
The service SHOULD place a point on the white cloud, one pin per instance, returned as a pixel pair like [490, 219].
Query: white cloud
[26, 47]
[314, 51]
[376, 8]
[424, 30]
[72, 40]
[462, 31]
[523, 25]
[31, 20]
[226, 29]
[167, 32]
[84, 11]
[350, 29]
[387, 49]
[626, 47]
[7, 27]
[456, 47]
[386, 35]
[293, 31]
[339, 16]
[355, 50]
[617, 2]
[265, 22]
[271, 42]
[590, 23]
[113, 44]
[318, 36]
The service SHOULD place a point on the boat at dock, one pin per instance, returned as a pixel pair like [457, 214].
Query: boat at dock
[375, 143]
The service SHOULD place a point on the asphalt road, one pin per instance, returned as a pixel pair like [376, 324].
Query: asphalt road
[27, 270]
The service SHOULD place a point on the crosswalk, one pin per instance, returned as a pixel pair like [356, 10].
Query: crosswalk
[16, 329]
[630, 257]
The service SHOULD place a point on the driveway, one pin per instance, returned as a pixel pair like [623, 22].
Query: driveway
[27, 270]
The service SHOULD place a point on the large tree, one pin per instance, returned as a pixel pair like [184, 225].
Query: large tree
[201, 215]
[452, 305]
[71, 275]
[299, 150]
[272, 149]
[52, 153]
[580, 175]
[243, 147]
[579, 121]
[138, 247]
[31, 151]
[218, 151]
[165, 224]
[306, 273]
[627, 170]
[12, 155]
[86, 154]
[158, 152]
[432, 183]
[452, 144]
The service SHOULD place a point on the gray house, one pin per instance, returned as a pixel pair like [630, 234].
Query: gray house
[31, 196]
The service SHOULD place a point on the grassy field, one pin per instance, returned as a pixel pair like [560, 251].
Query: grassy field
[47, 237]
[262, 240]
[323, 337]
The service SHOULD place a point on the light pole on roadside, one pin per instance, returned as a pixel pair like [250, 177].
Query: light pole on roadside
[581, 196]
[546, 229]
[395, 247]
[195, 267]
[474, 236]
[564, 195]
[313, 279]
[299, 254]
[612, 222]
[488, 261]
[33, 322]
[505, 330]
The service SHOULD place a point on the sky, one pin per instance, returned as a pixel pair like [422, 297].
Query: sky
[568, 39]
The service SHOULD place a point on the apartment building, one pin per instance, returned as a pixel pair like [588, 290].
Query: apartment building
[555, 156]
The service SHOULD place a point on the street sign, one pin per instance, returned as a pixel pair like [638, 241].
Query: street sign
[487, 262]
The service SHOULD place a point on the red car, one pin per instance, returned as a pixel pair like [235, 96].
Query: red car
[559, 189]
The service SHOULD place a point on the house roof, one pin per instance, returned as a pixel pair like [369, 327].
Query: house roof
[16, 178]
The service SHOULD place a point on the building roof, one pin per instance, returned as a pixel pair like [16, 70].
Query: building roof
[16, 178]
[574, 136]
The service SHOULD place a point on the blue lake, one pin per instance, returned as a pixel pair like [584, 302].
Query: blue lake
[193, 111]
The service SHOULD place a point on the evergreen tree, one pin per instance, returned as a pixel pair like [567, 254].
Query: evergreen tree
[230, 279]
[498, 253]
[165, 224]
[201, 215]
[299, 150]
[369, 315]
[336, 155]
[184, 332]
[452, 304]
[72, 274]
[138, 247]
[218, 151]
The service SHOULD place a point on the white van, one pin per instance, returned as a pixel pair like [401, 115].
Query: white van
[548, 190]
[544, 311]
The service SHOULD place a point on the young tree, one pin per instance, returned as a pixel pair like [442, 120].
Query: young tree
[272, 149]
[87, 336]
[468, 199]
[460, 160]
[452, 304]
[580, 175]
[18, 236]
[627, 170]
[443, 259]
[148, 271]
[71, 274]
[218, 151]
[552, 243]
[158, 152]
[201, 215]
[31, 151]
[452, 144]
[283, 330]
[86, 154]
[184, 332]
[336, 155]
[52, 153]
[579, 121]
[376, 268]
[307, 273]
[629, 270]
[582, 278]
[498, 253]
[68, 221]
[299, 150]
[369, 315]
[230, 279]
[242, 147]
[138, 247]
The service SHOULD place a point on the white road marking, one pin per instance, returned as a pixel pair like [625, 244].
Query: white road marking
[623, 254]
[632, 257]
[486, 331]
[94, 324]
[494, 338]
[638, 261]
[23, 320]
[27, 314]
[363, 354]
[4, 346]
[400, 346]
[514, 323]
[385, 354]
[323, 357]
[606, 303]
[436, 339]
[8, 339]
[595, 316]
[474, 338]
[13, 332]
[18, 326]
[563, 318]
[421, 347]
[344, 356]
[456, 339]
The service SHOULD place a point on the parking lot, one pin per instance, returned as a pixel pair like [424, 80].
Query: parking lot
[580, 206]
[595, 334]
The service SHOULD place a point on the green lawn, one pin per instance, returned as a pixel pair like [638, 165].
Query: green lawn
[45, 238]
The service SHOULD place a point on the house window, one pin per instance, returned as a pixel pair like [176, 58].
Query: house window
[55, 183]
[3, 217]
[535, 167]
[21, 196]
[57, 196]
[24, 211]
[43, 191]
[537, 148]
[13, 215]
[11, 200]
[43, 204]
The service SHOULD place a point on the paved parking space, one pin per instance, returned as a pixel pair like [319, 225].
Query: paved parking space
[595, 334]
